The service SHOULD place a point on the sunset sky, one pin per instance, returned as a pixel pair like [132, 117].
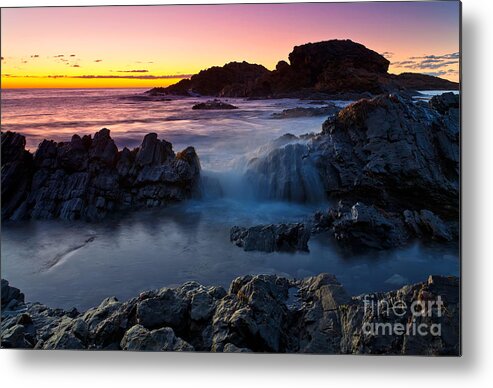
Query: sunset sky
[156, 45]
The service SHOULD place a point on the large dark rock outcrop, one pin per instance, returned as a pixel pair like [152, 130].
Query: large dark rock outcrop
[213, 105]
[340, 69]
[271, 238]
[87, 178]
[17, 171]
[334, 66]
[262, 313]
[390, 151]
[393, 161]
[416, 81]
[234, 79]
[327, 110]
[397, 152]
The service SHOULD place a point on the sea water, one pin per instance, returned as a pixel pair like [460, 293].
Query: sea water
[77, 264]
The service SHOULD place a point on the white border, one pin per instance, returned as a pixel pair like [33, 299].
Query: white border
[113, 369]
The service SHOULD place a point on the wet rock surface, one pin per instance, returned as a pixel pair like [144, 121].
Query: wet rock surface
[253, 315]
[271, 238]
[395, 152]
[360, 227]
[214, 105]
[328, 110]
[88, 178]
[391, 162]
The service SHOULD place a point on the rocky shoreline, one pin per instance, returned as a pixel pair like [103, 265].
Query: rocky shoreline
[88, 177]
[391, 165]
[261, 313]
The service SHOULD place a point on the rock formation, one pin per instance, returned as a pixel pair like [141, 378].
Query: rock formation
[214, 105]
[87, 178]
[340, 69]
[327, 110]
[235, 79]
[263, 313]
[392, 161]
[271, 238]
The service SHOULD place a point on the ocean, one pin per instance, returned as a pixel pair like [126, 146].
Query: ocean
[77, 264]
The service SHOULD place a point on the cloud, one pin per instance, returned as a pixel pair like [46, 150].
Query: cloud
[132, 71]
[35, 56]
[95, 76]
[387, 54]
[3, 58]
[440, 57]
[72, 55]
[435, 73]
[98, 60]
[75, 65]
[24, 61]
[59, 56]
[438, 63]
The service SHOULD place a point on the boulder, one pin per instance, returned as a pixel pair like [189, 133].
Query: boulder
[364, 226]
[271, 238]
[17, 172]
[256, 314]
[392, 151]
[88, 178]
[164, 339]
[328, 110]
[10, 295]
[213, 105]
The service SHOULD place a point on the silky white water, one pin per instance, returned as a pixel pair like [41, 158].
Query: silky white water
[67, 264]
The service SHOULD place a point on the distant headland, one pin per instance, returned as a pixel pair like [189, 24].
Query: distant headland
[335, 68]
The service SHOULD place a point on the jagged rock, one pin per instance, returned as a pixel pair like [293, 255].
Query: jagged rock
[88, 178]
[230, 348]
[333, 69]
[163, 309]
[254, 315]
[214, 105]
[392, 151]
[164, 339]
[361, 226]
[10, 295]
[427, 224]
[444, 102]
[153, 151]
[234, 79]
[369, 227]
[271, 238]
[17, 164]
[329, 109]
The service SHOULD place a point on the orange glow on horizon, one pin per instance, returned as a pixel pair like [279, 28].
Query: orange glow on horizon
[148, 46]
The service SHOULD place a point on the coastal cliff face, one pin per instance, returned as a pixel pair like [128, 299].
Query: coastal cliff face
[263, 313]
[339, 68]
[392, 164]
[87, 178]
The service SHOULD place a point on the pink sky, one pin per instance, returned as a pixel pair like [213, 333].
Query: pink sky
[171, 40]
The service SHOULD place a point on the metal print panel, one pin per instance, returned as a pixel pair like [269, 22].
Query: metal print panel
[279, 178]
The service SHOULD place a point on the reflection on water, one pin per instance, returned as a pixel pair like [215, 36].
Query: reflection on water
[78, 264]
[218, 136]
